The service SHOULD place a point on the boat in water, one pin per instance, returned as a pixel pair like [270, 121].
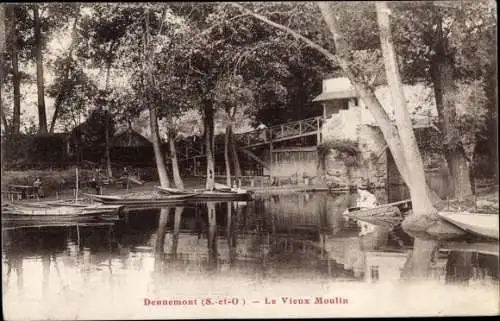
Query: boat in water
[230, 194]
[57, 213]
[480, 224]
[143, 199]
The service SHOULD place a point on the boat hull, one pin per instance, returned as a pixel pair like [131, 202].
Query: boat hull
[174, 191]
[204, 195]
[481, 224]
[121, 200]
[48, 213]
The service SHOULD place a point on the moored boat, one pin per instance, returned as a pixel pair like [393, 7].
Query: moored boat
[132, 199]
[403, 206]
[202, 194]
[481, 224]
[29, 212]
[174, 191]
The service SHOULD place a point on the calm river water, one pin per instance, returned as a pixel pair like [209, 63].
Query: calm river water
[276, 247]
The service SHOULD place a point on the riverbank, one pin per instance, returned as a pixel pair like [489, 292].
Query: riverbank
[61, 185]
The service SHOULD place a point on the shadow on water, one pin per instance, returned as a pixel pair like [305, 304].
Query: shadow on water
[274, 237]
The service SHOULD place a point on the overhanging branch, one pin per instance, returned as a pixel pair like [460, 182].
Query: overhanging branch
[291, 32]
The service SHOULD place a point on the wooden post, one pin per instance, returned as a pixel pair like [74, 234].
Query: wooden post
[271, 158]
[318, 132]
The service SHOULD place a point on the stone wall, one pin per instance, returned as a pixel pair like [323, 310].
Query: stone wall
[370, 167]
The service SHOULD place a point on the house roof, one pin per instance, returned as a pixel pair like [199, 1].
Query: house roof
[128, 138]
[336, 88]
[336, 95]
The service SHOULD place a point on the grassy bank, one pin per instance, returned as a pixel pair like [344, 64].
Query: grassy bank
[52, 180]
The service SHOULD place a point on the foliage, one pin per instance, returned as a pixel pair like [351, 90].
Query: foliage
[234, 98]
[343, 145]
[92, 131]
[25, 149]
[472, 114]
[77, 92]
[53, 180]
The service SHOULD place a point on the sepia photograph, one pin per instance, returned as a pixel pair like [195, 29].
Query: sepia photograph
[201, 160]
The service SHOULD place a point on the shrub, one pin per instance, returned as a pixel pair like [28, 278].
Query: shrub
[349, 150]
[52, 180]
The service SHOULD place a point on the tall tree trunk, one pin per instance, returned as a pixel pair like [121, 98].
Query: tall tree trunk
[460, 173]
[493, 79]
[3, 46]
[208, 120]
[175, 164]
[424, 249]
[62, 90]
[109, 169]
[234, 153]
[42, 116]
[441, 73]
[160, 161]
[153, 119]
[226, 156]
[422, 204]
[491, 91]
[107, 114]
[16, 77]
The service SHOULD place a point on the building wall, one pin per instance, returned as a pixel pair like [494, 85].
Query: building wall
[371, 165]
[358, 124]
[295, 163]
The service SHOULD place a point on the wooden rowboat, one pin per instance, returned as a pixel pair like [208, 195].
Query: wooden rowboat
[404, 206]
[174, 191]
[202, 194]
[58, 213]
[481, 224]
[134, 200]
[388, 216]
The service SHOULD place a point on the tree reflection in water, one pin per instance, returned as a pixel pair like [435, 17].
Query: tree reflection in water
[290, 236]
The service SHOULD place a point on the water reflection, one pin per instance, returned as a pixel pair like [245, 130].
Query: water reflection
[287, 237]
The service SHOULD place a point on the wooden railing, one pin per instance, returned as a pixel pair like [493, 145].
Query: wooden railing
[285, 131]
[295, 129]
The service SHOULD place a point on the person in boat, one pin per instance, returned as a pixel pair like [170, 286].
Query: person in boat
[366, 199]
[37, 187]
